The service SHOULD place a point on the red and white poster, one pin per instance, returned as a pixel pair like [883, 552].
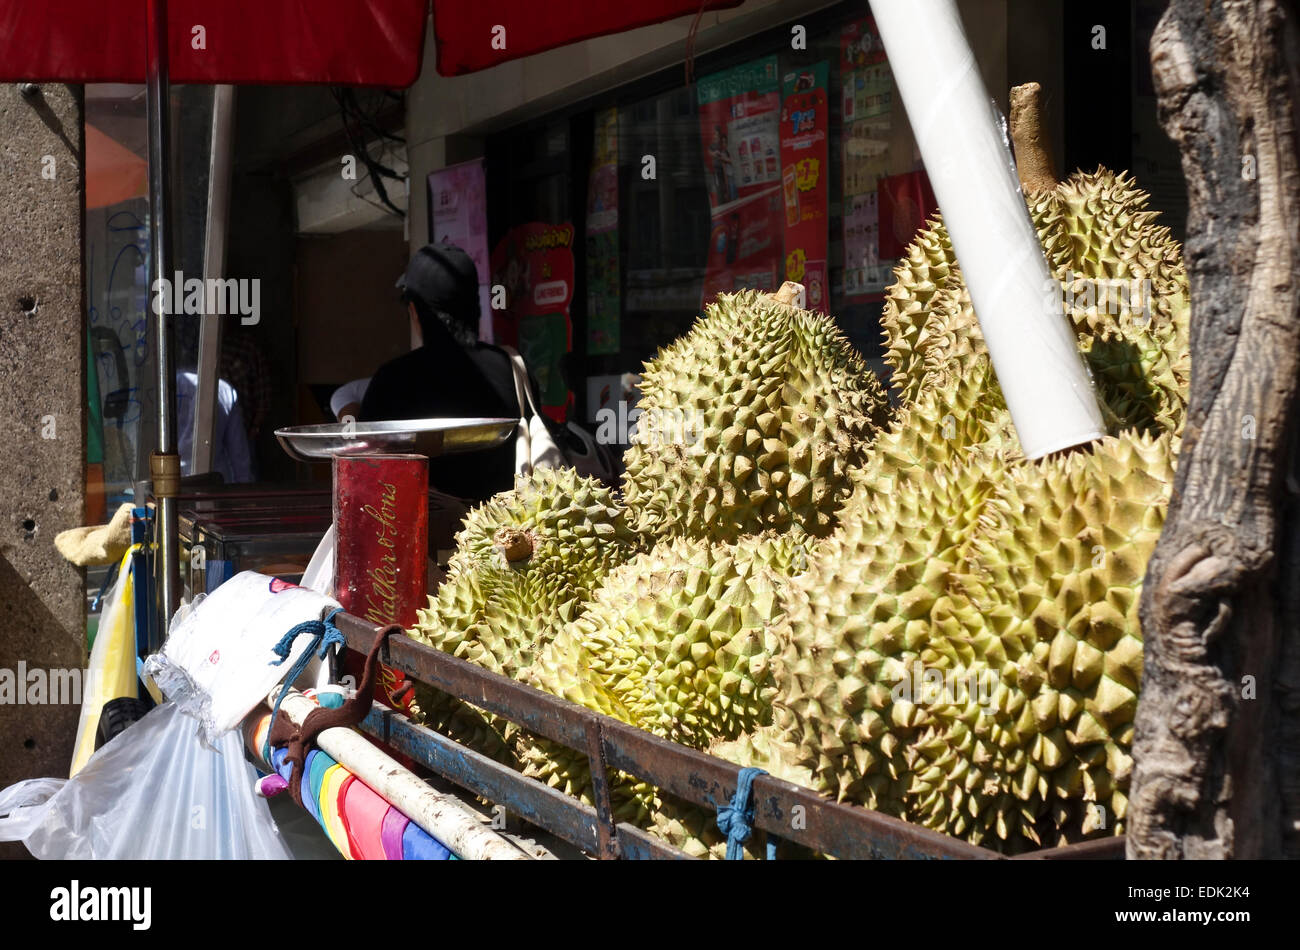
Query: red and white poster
[745, 245]
[740, 133]
[738, 128]
[534, 265]
[458, 215]
[805, 147]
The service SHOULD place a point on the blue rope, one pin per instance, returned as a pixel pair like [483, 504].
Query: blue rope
[324, 635]
[736, 819]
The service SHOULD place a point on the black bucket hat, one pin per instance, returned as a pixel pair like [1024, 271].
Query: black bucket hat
[443, 277]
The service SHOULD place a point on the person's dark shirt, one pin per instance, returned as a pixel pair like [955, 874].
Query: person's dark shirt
[442, 380]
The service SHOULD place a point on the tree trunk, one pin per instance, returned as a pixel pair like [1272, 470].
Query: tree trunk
[1217, 744]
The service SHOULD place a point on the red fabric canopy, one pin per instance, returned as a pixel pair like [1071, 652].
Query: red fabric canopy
[347, 42]
[465, 29]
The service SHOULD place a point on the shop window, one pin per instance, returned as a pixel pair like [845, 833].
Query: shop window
[770, 166]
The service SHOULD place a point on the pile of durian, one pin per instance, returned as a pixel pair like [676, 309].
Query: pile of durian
[883, 601]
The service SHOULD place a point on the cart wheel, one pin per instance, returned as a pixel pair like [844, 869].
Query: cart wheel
[116, 715]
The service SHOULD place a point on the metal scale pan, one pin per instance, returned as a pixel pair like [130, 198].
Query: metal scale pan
[431, 437]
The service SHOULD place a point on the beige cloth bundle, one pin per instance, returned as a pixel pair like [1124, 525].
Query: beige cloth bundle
[96, 545]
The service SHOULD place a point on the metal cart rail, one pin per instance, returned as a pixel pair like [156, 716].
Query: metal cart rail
[843, 831]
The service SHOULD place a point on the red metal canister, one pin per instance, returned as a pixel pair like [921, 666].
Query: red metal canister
[381, 518]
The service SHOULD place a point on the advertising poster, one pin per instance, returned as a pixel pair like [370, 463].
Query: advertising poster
[745, 245]
[534, 263]
[602, 239]
[738, 130]
[741, 139]
[864, 271]
[458, 215]
[860, 44]
[805, 144]
[867, 108]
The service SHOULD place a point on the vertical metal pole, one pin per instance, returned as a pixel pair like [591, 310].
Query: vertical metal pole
[221, 150]
[164, 464]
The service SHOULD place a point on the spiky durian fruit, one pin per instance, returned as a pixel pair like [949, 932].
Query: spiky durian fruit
[1123, 287]
[676, 641]
[750, 422]
[526, 563]
[1061, 560]
[977, 676]
[964, 650]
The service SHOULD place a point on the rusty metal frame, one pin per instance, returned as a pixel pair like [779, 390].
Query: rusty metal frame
[781, 809]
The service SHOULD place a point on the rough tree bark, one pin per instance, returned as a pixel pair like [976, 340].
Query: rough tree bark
[1217, 744]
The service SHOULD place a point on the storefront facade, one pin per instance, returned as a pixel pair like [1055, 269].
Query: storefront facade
[777, 150]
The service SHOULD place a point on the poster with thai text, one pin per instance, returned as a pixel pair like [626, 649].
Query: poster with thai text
[864, 271]
[805, 145]
[741, 144]
[534, 263]
[458, 215]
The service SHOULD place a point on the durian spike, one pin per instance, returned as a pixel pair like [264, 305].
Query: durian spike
[1034, 162]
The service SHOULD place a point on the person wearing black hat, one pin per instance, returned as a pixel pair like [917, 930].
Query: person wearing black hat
[449, 373]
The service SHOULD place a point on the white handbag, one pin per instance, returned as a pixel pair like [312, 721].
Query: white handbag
[534, 446]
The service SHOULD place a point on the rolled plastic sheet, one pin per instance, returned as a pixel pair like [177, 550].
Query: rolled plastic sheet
[1017, 300]
[361, 824]
[459, 827]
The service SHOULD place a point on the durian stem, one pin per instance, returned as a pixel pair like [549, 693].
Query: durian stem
[1034, 162]
[789, 293]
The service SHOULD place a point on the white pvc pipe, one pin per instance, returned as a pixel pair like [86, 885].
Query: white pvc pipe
[1017, 301]
[440, 815]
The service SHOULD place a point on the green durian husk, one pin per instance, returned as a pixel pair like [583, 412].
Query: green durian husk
[776, 406]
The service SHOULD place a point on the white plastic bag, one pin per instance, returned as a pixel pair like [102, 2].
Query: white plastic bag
[153, 792]
[319, 576]
[219, 662]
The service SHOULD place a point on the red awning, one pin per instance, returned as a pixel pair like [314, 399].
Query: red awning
[465, 30]
[346, 42]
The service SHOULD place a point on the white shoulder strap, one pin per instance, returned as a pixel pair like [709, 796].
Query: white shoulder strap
[523, 391]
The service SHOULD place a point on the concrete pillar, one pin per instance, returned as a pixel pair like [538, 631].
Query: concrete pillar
[42, 419]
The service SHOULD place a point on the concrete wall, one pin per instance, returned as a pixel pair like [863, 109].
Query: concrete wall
[447, 117]
[42, 393]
